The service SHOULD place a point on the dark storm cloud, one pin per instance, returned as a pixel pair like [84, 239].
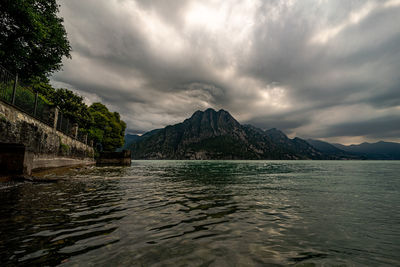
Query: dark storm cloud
[358, 59]
[382, 127]
[284, 122]
[305, 67]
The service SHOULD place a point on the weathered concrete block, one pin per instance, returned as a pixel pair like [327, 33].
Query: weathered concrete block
[115, 158]
[14, 160]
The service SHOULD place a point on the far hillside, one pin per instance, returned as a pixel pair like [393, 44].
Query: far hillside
[372, 151]
[380, 150]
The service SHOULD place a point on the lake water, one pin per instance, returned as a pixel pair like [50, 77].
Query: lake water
[207, 213]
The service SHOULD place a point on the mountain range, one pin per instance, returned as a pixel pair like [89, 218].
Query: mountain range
[214, 134]
[373, 151]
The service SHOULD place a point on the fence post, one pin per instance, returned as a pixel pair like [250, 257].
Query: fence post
[55, 118]
[36, 101]
[74, 130]
[14, 89]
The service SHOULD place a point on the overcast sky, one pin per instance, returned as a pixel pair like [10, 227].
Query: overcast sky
[314, 69]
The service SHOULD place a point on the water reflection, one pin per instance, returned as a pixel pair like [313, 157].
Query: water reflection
[39, 221]
[218, 213]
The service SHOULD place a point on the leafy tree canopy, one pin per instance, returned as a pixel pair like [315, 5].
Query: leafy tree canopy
[33, 41]
[32, 38]
[73, 106]
[107, 127]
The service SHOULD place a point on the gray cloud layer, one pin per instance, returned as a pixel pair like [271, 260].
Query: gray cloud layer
[315, 69]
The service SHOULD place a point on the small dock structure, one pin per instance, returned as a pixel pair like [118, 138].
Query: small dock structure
[114, 158]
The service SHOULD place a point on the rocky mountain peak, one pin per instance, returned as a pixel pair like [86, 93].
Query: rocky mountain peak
[276, 134]
[214, 134]
[216, 120]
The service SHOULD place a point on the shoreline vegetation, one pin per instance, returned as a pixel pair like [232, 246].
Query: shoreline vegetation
[33, 42]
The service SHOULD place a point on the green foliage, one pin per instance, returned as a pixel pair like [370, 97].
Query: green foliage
[3, 118]
[101, 125]
[64, 148]
[72, 105]
[32, 37]
[25, 99]
[32, 44]
[6, 90]
[107, 127]
[42, 86]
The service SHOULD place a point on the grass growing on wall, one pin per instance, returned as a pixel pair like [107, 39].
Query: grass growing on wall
[64, 148]
[3, 118]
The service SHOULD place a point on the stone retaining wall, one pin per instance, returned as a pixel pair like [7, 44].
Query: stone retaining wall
[42, 143]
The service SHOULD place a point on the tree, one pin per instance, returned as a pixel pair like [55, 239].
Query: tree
[107, 127]
[32, 38]
[104, 127]
[72, 105]
[33, 42]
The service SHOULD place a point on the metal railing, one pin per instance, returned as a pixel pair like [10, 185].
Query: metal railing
[63, 124]
[83, 137]
[68, 127]
[26, 99]
[8, 81]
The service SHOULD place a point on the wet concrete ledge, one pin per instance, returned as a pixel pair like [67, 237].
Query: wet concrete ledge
[45, 163]
[48, 175]
[16, 161]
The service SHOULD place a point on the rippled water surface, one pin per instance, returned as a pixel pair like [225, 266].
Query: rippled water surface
[208, 213]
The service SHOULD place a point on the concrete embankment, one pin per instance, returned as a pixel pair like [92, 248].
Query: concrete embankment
[28, 145]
